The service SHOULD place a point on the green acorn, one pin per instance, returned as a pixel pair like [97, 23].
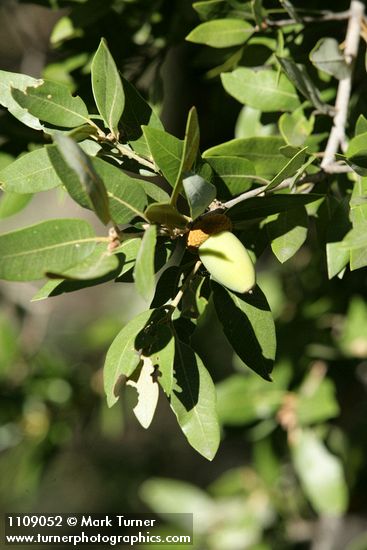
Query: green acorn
[222, 253]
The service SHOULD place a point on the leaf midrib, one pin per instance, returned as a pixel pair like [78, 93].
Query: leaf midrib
[110, 121]
[57, 105]
[23, 175]
[126, 204]
[51, 247]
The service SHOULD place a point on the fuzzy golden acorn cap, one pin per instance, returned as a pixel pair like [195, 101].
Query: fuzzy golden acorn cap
[210, 224]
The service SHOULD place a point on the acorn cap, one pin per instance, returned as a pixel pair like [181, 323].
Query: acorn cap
[207, 225]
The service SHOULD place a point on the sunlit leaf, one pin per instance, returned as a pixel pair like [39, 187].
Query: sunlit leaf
[290, 169]
[10, 80]
[95, 265]
[122, 357]
[221, 33]
[264, 152]
[194, 402]
[235, 173]
[30, 173]
[107, 87]
[148, 393]
[189, 151]
[53, 103]
[328, 57]
[295, 127]
[288, 232]
[166, 151]
[262, 90]
[54, 245]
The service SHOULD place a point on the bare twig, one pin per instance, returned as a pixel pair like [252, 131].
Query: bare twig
[327, 16]
[124, 150]
[337, 134]
[333, 168]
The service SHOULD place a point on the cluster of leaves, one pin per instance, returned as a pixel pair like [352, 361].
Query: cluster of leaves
[148, 236]
[151, 186]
